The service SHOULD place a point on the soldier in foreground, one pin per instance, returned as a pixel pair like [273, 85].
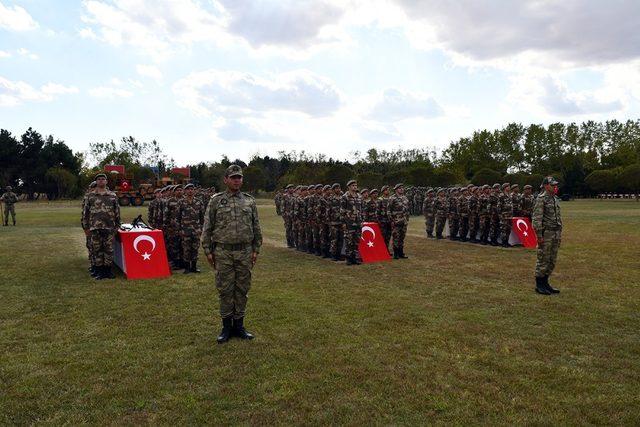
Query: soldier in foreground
[548, 225]
[336, 230]
[9, 199]
[351, 213]
[231, 239]
[100, 220]
[398, 213]
[92, 264]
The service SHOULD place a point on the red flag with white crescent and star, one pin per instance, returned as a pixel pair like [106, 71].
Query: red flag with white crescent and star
[372, 247]
[522, 227]
[141, 254]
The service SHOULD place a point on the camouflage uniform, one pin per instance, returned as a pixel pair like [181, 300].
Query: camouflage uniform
[484, 212]
[454, 218]
[151, 210]
[172, 230]
[287, 216]
[398, 212]
[463, 214]
[428, 212]
[474, 212]
[313, 237]
[527, 201]
[351, 214]
[9, 198]
[101, 216]
[336, 226]
[231, 232]
[190, 218]
[300, 214]
[440, 210]
[370, 210]
[323, 220]
[383, 219]
[548, 225]
[92, 263]
[494, 215]
[505, 208]
[516, 200]
[278, 202]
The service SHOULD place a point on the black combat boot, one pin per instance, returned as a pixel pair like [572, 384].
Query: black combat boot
[194, 267]
[239, 330]
[430, 235]
[108, 274]
[99, 272]
[326, 254]
[225, 333]
[351, 260]
[396, 255]
[549, 287]
[94, 271]
[187, 269]
[506, 245]
[438, 236]
[540, 287]
[401, 253]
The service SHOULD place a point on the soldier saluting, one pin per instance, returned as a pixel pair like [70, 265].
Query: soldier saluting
[548, 225]
[231, 239]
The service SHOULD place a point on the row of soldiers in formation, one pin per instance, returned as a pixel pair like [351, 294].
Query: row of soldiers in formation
[320, 219]
[179, 211]
[478, 214]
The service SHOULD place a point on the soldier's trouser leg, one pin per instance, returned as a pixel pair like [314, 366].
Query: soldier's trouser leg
[12, 211]
[453, 226]
[495, 228]
[385, 228]
[301, 235]
[505, 229]
[233, 280]
[190, 244]
[294, 233]
[464, 227]
[102, 244]
[337, 240]
[352, 239]
[429, 222]
[398, 232]
[439, 225]
[473, 227]
[92, 261]
[548, 252]
[324, 238]
[315, 238]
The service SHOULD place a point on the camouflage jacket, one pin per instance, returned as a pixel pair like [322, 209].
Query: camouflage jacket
[516, 202]
[300, 208]
[322, 211]
[351, 210]
[9, 198]
[493, 203]
[484, 205]
[453, 205]
[101, 211]
[231, 218]
[463, 206]
[440, 207]
[398, 209]
[170, 213]
[526, 208]
[334, 210]
[505, 206]
[370, 211]
[159, 213]
[312, 207]
[190, 216]
[474, 205]
[383, 204]
[287, 206]
[546, 213]
[151, 212]
[278, 201]
[428, 207]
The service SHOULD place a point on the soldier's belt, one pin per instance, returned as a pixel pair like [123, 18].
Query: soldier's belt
[232, 246]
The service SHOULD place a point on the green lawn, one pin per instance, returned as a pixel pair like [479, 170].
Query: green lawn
[454, 334]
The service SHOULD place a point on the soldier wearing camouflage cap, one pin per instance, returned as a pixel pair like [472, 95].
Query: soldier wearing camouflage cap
[526, 202]
[231, 239]
[92, 265]
[505, 209]
[190, 219]
[429, 212]
[547, 223]
[398, 213]
[494, 229]
[9, 199]
[287, 214]
[381, 213]
[441, 210]
[351, 213]
[336, 225]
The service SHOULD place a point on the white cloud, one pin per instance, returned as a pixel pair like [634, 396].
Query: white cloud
[109, 92]
[16, 92]
[215, 92]
[4, 54]
[150, 71]
[397, 105]
[26, 53]
[16, 19]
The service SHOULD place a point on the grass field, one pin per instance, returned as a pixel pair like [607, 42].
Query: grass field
[454, 334]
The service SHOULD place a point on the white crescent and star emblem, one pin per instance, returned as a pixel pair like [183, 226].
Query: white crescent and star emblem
[526, 227]
[145, 256]
[365, 229]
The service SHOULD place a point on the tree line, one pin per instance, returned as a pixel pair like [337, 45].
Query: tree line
[587, 158]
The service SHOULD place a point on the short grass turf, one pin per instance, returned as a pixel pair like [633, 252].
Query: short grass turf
[455, 334]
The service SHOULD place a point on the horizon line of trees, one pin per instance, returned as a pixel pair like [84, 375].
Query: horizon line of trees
[587, 158]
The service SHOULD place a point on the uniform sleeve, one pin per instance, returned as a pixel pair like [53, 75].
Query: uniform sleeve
[536, 217]
[257, 231]
[116, 207]
[207, 227]
[85, 214]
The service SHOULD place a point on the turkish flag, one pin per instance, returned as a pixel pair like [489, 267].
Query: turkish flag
[125, 186]
[141, 254]
[372, 247]
[522, 229]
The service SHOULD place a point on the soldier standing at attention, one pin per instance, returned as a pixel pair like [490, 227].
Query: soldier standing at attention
[351, 213]
[383, 219]
[454, 218]
[287, 214]
[100, 220]
[526, 206]
[9, 199]
[398, 212]
[494, 215]
[463, 213]
[151, 209]
[505, 209]
[278, 201]
[428, 212]
[371, 207]
[323, 218]
[548, 225]
[440, 210]
[190, 219]
[516, 200]
[172, 230]
[92, 264]
[364, 196]
[231, 239]
[473, 213]
[335, 223]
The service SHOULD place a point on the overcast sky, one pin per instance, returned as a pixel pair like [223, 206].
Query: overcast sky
[240, 77]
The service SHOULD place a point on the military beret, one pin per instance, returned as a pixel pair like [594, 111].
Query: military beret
[178, 187]
[515, 186]
[335, 185]
[384, 187]
[485, 186]
[101, 175]
[319, 186]
[189, 186]
[398, 185]
[440, 190]
[505, 185]
[430, 190]
[527, 187]
[496, 186]
[364, 190]
[373, 190]
[233, 170]
[470, 186]
[288, 186]
[351, 181]
[92, 185]
[326, 187]
[157, 190]
[549, 180]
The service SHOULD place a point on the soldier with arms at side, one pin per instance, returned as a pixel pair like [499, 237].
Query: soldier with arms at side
[9, 198]
[351, 213]
[190, 219]
[398, 213]
[548, 225]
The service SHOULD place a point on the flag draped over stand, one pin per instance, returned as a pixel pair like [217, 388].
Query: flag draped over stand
[372, 247]
[522, 230]
[141, 254]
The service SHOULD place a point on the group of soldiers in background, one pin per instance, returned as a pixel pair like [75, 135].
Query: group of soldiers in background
[320, 219]
[178, 211]
[9, 199]
[477, 214]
